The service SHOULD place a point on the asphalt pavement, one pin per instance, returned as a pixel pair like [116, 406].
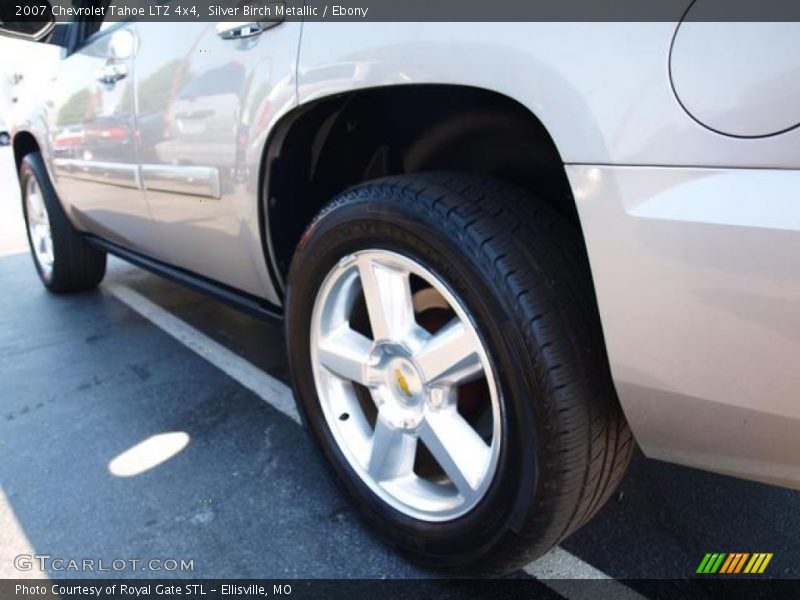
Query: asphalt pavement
[90, 390]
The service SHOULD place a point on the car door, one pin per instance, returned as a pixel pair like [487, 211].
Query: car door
[207, 98]
[93, 138]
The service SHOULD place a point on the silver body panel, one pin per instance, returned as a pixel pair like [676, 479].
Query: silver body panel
[698, 283]
[205, 108]
[92, 139]
[693, 235]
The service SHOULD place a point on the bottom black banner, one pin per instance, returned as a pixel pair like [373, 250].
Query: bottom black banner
[376, 589]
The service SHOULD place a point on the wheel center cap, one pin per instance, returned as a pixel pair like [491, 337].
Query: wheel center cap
[398, 387]
[404, 381]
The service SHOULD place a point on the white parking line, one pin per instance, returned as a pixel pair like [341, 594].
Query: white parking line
[556, 568]
[254, 379]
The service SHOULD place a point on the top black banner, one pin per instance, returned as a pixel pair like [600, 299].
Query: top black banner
[400, 10]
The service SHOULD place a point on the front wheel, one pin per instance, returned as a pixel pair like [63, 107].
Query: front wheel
[446, 355]
[63, 259]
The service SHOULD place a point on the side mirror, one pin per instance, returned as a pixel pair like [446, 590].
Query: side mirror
[27, 21]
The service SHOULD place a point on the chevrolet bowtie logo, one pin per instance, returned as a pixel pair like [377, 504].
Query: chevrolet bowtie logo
[402, 383]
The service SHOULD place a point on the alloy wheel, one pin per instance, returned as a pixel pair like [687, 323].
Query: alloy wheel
[406, 385]
[39, 227]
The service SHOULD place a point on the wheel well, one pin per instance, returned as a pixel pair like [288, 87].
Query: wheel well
[329, 145]
[24, 143]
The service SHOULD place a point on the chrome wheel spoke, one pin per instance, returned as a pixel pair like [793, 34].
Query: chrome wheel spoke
[41, 232]
[388, 296]
[345, 353]
[450, 356]
[49, 247]
[458, 449]
[392, 453]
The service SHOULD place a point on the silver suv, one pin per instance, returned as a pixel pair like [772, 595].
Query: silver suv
[501, 252]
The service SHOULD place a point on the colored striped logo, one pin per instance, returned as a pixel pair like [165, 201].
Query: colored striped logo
[734, 563]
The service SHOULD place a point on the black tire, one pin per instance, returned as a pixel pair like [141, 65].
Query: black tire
[77, 266]
[522, 271]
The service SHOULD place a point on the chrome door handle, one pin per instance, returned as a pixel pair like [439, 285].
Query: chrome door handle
[236, 31]
[111, 74]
